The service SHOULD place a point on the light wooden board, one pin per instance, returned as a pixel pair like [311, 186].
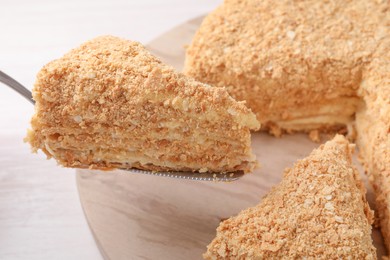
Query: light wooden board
[145, 217]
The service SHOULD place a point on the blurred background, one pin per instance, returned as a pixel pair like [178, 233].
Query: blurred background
[40, 213]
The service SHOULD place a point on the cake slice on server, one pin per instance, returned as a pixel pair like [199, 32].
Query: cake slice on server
[318, 211]
[110, 104]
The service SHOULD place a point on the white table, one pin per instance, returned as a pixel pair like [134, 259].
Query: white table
[40, 213]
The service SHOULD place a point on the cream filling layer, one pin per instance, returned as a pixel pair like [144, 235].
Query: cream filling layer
[130, 151]
[301, 124]
[186, 104]
[336, 112]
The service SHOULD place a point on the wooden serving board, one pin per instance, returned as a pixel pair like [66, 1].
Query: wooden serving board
[136, 216]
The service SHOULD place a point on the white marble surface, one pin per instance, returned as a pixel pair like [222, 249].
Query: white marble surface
[40, 213]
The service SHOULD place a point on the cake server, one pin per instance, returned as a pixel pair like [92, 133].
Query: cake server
[207, 176]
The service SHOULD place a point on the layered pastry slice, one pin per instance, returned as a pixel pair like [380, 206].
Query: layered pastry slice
[110, 104]
[318, 211]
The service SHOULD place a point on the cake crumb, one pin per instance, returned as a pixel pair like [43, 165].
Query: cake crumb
[314, 135]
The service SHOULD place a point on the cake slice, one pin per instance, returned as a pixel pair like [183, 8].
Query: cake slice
[110, 104]
[318, 211]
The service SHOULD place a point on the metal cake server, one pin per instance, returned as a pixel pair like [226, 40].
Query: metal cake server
[207, 176]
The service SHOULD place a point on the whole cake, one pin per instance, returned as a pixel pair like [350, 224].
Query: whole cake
[307, 65]
[110, 104]
[318, 211]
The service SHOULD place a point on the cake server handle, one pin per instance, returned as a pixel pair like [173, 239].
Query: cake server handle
[10, 82]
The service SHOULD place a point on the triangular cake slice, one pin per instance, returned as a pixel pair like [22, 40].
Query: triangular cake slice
[318, 211]
[110, 104]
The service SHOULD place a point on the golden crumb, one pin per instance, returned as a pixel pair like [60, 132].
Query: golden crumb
[318, 211]
[315, 136]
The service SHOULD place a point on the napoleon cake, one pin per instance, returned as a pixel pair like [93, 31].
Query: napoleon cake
[110, 104]
[307, 65]
[318, 211]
